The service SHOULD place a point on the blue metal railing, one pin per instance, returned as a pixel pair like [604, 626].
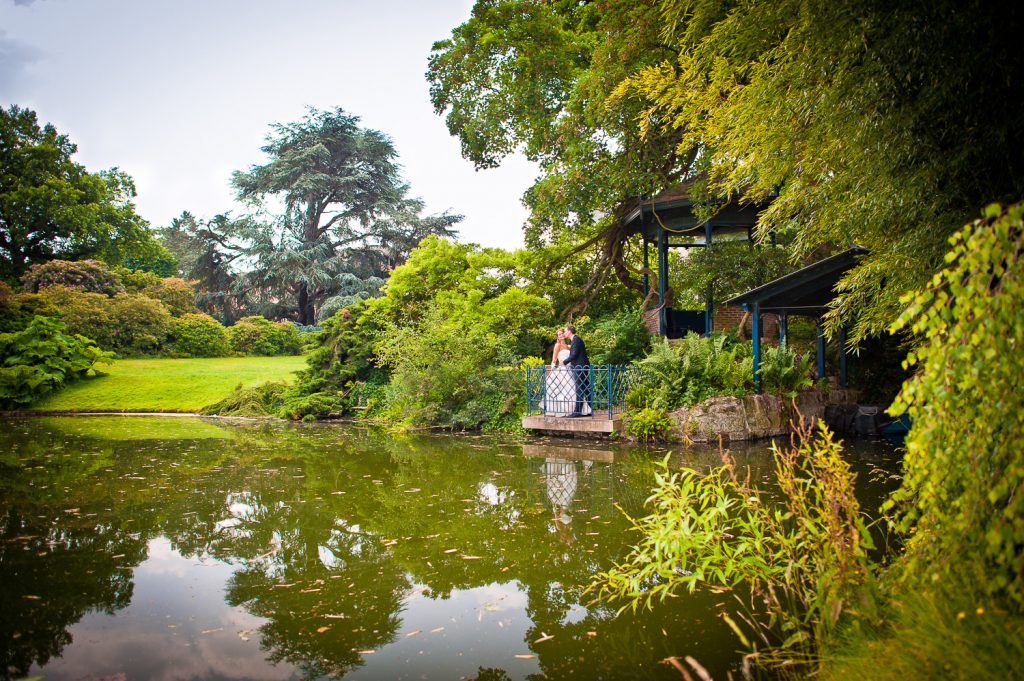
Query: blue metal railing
[598, 389]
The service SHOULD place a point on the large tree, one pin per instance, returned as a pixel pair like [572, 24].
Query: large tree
[345, 210]
[207, 251]
[53, 208]
[882, 123]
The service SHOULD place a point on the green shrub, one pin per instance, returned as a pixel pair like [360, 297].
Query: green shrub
[298, 407]
[177, 296]
[649, 423]
[617, 339]
[804, 559]
[92, 276]
[259, 336]
[135, 281]
[18, 309]
[142, 325]
[447, 372]
[84, 313]
[41, 358]
[639, 397]
[783, 372]
[200, 335]
[696, 368]
[128, 324]
[342, 353]
[265, 399]
[964, 464]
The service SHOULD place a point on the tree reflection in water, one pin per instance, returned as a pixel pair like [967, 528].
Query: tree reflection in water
[336, 536]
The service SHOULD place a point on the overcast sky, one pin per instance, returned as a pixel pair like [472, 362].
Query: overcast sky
[179, 94]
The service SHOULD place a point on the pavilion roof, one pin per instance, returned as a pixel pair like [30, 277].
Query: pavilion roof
[804, 292]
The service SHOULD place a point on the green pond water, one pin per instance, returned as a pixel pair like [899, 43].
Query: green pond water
[179, 548]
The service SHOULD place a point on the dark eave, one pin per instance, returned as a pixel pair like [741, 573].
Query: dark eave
[806, 291]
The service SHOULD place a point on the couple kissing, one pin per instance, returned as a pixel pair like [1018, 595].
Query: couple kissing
[567, 386]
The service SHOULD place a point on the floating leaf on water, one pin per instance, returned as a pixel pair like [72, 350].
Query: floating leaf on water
[414, 632]
[525, 657]
[451, 550]
[367, 652]
[435, 631]
[210, 631]
[321, 630]
[471, 558]
[591, 633]
[544, 637]
[31, 597]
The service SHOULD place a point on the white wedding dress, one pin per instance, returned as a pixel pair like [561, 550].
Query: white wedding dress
[560, 390]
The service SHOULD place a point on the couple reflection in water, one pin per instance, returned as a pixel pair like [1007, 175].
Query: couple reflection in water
[561, 478]
[567, 385]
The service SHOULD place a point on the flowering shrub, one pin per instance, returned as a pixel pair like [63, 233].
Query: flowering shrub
[88, 275]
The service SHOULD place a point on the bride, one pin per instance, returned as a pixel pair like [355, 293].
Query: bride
[560, 385]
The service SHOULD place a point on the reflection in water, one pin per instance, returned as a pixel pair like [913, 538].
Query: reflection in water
[268, 550]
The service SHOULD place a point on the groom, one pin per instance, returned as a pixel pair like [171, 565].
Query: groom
[579, 363]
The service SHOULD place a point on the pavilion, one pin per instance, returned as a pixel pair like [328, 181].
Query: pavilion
[806, 292]
[669, 220]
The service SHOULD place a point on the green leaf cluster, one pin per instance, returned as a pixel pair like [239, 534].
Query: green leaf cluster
[696, 368]
[256, 335]
[199, 335]
[803, 560]
[41, 358]
[961, 495]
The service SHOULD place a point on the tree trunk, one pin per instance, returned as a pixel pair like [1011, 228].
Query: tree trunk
[306, 314]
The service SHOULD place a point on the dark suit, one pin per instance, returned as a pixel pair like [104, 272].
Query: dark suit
[580, 365]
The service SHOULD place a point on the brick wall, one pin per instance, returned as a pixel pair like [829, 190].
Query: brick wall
[728, 317]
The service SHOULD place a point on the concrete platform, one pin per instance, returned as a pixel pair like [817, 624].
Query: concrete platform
[596, 425]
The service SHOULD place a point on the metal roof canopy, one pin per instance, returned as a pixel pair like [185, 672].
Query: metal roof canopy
[805, 292]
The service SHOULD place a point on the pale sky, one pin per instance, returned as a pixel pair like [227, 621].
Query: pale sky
[179, 94]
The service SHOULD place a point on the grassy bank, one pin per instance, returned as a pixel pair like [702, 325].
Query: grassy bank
[169, 385]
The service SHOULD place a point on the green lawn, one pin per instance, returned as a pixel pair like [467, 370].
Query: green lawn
[170, 385]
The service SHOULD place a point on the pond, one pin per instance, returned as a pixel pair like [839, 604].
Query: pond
[183, 548]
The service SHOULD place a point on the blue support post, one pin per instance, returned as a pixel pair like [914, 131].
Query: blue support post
[842, 356]
[783, 328]
[590, 384]
[755, 339]
[820, 326]
[662, 282]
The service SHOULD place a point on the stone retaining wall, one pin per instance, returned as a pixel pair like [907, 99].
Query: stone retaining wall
[754, 417]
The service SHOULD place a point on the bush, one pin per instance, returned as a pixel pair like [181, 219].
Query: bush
[265, 399]
[783, 372]
[342, 353]
[200, 335]
[18, 309]
[446, 373]
[134, 281]
[142, 325]
[299, 407]
[42, 358]
[695, 369]
[128, 324]
[804, 560]
[617, 339]
[92, 276]
[259, 336]
[177, 296]
[649, 424]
